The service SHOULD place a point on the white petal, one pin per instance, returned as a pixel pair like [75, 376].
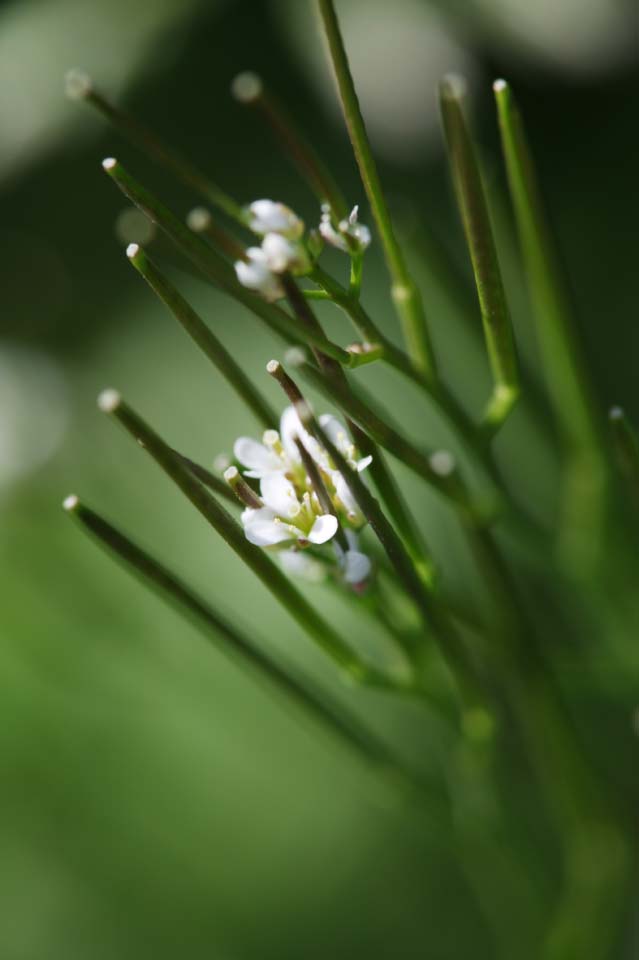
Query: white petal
[356, 566]
[271, 217]
[263, 529]
[335, 430]
[279, 494]
[323, 529]
[344, 493]
[280, 253]
[256, 456]
[255, 275]
[290, 430]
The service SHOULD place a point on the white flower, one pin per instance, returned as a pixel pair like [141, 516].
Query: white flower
[337, 434]
[284, 517]
[256, 275]
[350, 235]
[270, 217]
[291, 508]
[282, 254]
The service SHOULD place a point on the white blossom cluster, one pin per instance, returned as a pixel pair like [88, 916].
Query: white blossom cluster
[350, 236]
[283, 249]
[291, 519]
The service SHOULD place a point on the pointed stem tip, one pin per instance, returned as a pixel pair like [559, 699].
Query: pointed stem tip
[109, 401]
[247, 87]
[77, 84]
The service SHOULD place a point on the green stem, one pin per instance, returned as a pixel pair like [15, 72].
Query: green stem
[404, 290]
[215, 269]
[203, 336]
[626, 444]
[255, 558]
[226, 634]
[334, 375]
[473, 207]
[209, 479]
[442, 397]
[248, 88]
[80, 87]
[434, 617]
[388, 437]
[586, 473]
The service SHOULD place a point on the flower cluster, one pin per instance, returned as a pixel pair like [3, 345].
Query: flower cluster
[281, 251]
[351, 236]
[288, 516]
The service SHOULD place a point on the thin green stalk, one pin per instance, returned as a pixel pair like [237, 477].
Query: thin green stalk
[434, 616]
[215, 269]
[442, 397]
[256, 559]
[447, 483]
[227, 636]
[248, 88]
[388, 489]
[241, 490]
[202, 335]
[473, 207]
[404, 291]
[80, 87]
[207, 478]
[586, 470]
[626, 445]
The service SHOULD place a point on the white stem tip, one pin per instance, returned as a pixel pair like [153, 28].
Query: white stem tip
[132, 250]
[500, 85]
[296, 356]
[442, 463]
[70, 503]
[109, 401]
[616, 413]
[247, 87]
[453, 86]
[77, 84]
[231, 473]
[109, 163]
[273, 366]
[198, 219]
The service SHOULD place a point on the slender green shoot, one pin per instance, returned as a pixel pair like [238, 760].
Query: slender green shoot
[404, 291]
[434, 617]
[231, 640]
[241, 490]
[220, 273]
[626, 445]
[473, 206]
[248, 88]
[80, 86]
[586, 468]
[207, 478]
[202, 335]
[443, 478]
[259, 563]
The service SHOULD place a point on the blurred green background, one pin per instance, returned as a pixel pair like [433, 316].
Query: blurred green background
[154, 801]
